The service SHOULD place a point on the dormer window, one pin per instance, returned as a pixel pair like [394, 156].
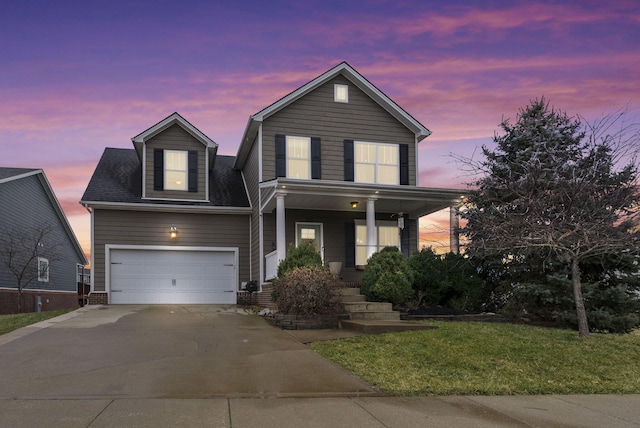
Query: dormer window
[175, 170]
[341, 93]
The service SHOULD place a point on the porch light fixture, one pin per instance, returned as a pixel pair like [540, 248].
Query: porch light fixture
[173, 232]
[354, 204]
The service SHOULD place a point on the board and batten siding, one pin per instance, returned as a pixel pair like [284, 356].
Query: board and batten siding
[26, 208]
[175, 138]
[317, 115]
[152, 228]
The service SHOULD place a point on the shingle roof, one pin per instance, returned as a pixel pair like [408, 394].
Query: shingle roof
[118, 178]
[11, 172]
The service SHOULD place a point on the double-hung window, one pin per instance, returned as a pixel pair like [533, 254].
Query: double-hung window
[386, 234]
[43, 269]
[175, 170]
[376, 163]
[298, 157]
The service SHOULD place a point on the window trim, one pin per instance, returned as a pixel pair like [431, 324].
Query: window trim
[384, 223]
[41, 277]
[376, 164]
[308, 159]
[300, 224]
[336, 93]
[165, 183]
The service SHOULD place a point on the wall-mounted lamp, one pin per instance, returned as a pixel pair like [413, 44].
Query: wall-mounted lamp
[173, 232]
[354, 204]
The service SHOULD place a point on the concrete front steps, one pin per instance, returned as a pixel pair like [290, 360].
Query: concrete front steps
[373, 317]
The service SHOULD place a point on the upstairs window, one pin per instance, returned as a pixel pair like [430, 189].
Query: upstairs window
[175, 170]
[341, 93]
[298, 157]
[376, 163]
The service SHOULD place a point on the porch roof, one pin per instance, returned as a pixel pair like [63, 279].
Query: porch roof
[338, 195]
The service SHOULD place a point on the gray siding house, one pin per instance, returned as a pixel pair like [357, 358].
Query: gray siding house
[37, 241]
[333, 163]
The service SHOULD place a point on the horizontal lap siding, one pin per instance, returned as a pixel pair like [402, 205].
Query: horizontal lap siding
[251, 173]
[26, 208]
[151, 228]
[317, 115]
[175, 138]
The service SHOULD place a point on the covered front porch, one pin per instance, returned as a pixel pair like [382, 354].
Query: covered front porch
[347, 222]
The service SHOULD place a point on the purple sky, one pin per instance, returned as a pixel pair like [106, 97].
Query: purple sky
[79, 76]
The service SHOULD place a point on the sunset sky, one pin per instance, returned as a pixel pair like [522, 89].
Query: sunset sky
[79, 76]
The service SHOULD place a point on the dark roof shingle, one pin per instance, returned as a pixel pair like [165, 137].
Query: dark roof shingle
[118, 178]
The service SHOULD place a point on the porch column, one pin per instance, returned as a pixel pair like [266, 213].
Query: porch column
[281, 238]
[454, 229]
[371, 227]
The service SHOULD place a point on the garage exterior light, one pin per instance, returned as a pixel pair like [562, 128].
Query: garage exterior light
[173, 232]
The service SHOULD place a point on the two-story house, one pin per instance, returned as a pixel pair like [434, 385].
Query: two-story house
[333, 163]
[39, 253]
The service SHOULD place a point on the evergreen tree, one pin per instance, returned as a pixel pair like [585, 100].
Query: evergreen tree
[551, 193]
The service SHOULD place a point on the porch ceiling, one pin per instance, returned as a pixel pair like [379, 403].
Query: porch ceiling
[337, 196]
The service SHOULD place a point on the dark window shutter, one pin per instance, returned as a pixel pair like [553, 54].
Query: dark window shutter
[281, 156]
[348, 160]
[405, 237]
[158, 169]
[349, 244]
[193, 171]
[404, 164]
[316, 171]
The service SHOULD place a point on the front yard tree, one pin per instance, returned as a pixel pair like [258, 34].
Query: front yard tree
[556, 191]
[26, 255]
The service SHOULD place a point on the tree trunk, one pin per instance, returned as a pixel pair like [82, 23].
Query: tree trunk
[583, 325]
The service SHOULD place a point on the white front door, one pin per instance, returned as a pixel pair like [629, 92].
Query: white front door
[310, 232]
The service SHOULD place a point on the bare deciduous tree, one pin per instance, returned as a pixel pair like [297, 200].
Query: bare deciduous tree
[26, 254]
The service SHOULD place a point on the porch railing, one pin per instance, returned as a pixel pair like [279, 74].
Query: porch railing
[271, 265]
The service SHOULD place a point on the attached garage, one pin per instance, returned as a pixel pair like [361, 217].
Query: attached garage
[171, 275]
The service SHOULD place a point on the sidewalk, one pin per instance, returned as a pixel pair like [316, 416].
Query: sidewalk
[515, 411]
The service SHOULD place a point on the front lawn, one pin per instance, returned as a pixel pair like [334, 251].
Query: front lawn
[462, 358]
[15, 321]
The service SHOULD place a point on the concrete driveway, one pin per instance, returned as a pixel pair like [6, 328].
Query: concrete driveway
[165, 352]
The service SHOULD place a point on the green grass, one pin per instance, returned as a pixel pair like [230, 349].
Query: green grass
[491, 359]
[12, 322]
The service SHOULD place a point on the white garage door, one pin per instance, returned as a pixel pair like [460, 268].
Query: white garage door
[172, 277]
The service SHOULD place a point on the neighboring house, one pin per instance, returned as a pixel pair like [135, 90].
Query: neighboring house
[37, 236]
[333, 163]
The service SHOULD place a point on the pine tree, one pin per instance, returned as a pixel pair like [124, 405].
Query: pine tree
[552, 192]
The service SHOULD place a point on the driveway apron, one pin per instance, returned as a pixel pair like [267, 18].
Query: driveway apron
[166, 352]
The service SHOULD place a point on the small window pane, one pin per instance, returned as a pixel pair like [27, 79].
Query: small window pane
[388, 174]
[341, 93]
[388, 236]
[298, 169]
[388, 155]
[365, 153]
[365, 173]
[175, 180]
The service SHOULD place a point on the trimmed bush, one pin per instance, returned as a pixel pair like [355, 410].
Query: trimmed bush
[308, 291]
[303, 255]
[387, 278]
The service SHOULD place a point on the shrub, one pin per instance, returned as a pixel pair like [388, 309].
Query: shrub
[386, 278]
[307, 291]
[303, 255]
[449, 281]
